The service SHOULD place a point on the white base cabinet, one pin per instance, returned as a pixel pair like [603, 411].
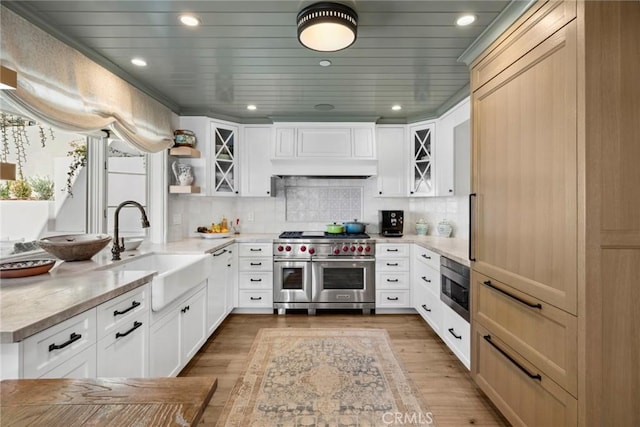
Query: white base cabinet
[255, 276]
[219, 288]
[177, 332]
[393, 283]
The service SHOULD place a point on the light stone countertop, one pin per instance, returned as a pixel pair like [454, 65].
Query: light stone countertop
[31, 304]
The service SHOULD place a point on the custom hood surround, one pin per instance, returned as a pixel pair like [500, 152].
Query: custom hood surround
[60, 86]
[325, 168]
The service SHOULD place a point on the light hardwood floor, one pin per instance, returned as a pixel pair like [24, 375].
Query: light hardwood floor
[445, 384]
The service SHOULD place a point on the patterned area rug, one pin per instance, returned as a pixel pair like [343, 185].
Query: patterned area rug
[324, 377]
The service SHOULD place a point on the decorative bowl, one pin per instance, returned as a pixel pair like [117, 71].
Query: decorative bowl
[213, 235]
[74, 247]
[132, 243]
[30, 267]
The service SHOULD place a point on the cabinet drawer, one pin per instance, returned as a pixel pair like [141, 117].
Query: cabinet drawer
[392, 264]
[544, 334]
[120, 310]
[255, 249]
[392, 250]
[399, 280]
[429, 306]
[82, 365]
[500, 372]
[425, 275]
[260, 299]
[125, 352]
[427, 257]
[456, 332]
[255, 280]
[255, 264]
[398, 299]
[54, 346]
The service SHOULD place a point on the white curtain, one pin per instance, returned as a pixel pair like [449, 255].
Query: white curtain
[59, 85]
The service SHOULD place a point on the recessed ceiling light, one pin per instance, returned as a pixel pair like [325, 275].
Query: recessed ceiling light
[139, 62]
[396, 107]
[465, 20]
[189, 20]
[324, 107]
[325, 63]
[251, 107]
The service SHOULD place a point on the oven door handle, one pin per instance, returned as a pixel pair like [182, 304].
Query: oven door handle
[344, 260]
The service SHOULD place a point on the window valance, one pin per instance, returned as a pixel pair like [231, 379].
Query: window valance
[60, 86]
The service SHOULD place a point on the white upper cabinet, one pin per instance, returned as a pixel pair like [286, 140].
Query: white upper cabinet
[224, 173]
[422, 173]
[393, 153]
[452, 145]
[324, 140]
[255, 161]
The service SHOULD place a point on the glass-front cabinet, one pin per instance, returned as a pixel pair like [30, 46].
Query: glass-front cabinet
[224, 175]
[422, 182]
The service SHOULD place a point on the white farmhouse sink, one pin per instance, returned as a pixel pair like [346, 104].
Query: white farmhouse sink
[176, 274]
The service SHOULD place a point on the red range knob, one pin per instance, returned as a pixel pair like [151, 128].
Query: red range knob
[345, 248]
[353, 248]
[360, 248]
[280, 248]
[336, 251]
[288, 248]
[367, 249]
[303, 248]
[312, 251]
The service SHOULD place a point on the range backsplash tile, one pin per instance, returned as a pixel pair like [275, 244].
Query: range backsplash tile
[317, 204]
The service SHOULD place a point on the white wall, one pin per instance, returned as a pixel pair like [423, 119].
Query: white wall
[269, 214]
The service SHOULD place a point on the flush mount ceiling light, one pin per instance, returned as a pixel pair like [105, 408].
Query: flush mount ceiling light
[189, 20]
[139, 62]
[396, 107]
[8, 78]
[324, 63]
[465, 20]
[251, 107]
[327, 27]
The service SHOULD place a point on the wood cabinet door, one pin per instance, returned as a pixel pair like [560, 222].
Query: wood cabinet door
[525, 173]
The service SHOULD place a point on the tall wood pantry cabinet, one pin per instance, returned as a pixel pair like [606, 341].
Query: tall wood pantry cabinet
[556, 217]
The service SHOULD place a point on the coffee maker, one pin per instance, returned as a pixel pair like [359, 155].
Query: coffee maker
[391, 223]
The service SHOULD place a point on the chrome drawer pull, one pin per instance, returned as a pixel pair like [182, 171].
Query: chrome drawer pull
[451, 331]
[72, 338]
[425, 279]
[425, 308]
[520, 300]
[221, 252]
[136, 325]
[512, 360]
[134, 304]
[255, 298]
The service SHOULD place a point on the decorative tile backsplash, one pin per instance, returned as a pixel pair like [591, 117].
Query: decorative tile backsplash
[322, 204]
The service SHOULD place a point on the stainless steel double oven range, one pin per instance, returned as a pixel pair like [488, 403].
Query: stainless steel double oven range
[317, 270]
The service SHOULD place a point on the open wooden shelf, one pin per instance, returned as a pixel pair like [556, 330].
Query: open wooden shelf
[184, 189]
[184, 152]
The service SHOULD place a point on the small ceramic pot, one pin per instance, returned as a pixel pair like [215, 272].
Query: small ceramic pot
[444, 228]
